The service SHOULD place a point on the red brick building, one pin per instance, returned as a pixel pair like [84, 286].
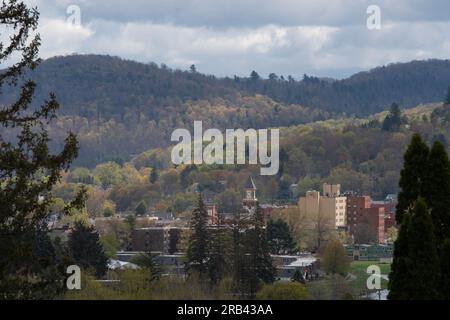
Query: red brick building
[360, 210]
[389, 212]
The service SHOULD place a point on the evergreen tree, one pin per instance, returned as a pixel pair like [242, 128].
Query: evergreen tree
[258, 268]
[218, 257]
[415, 270]
[198, 241]
[444, 286]
[447, 97]
[141, 209]
[437, 191]
[238, 254]
[154, 176]
[28, 171]
[393, 120]
[150, 262]
[413, 175]
[87, 250]
[279, 237]
[400, 284]
[424, 266]
[298, 277]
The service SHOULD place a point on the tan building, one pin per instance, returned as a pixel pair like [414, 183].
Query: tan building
[331, 204]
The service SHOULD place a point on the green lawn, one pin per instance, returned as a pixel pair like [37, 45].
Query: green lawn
[335, 287]
[359, 270]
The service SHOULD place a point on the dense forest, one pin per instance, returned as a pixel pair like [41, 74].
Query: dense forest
[363, 155]
[120, 108]
[104, 87]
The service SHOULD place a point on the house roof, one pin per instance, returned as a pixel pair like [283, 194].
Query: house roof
[250, 184]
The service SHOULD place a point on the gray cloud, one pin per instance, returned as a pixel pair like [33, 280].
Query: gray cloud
[326, 38]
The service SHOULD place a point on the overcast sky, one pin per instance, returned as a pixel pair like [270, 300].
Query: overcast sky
[228, 37]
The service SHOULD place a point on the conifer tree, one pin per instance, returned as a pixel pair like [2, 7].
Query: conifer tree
[444, 286]
[437, 191]
[447, 97]
[218, 253]
[413, 175]
[423, 257]
[400, 284]
[28, 170]
[141, 208]
[279, 237]
[258, 263]
[198, 241]
[154, 176]
[86, 249]
[415, 272]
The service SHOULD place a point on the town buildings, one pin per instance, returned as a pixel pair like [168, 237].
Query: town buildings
[361, 211]
[331, 205]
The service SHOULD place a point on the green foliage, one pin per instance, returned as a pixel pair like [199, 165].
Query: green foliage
[413, 175]
[424, 266]
[445, 270]
[334, 259]
[131, 221]
[197, 251]
[110, 244]
[108, 174]
[447, 97]
[279, 237]
[298, 277]
[219, 259]
[415, 269]
[437, 191]
[283, 291]
[393, 120]
[252, 264]
[149, 262]
[141, 209]
[29, 267]
[87, 250]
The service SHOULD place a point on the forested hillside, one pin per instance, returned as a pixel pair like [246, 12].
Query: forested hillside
[360, 154]
[120, 108]
[101, 87]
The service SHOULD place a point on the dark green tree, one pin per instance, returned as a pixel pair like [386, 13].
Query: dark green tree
[28, 170]
[393, 120]
[280, 237]
[437, 191]
[413, 175]
[149, 261]
[258, 266]
[445, 270]
[218, 253]
[154, 176]
[86, 249]
[141, 209]
[415, 270]
[400, 284]
[447, 97]
[298, 277]
[197, 251]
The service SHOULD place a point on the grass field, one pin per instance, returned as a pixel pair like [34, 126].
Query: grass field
[359, 270]
[355, 283]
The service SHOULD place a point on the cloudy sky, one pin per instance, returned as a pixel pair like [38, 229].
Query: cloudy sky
[228, 37]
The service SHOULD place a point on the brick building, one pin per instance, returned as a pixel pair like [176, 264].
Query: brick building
[360, 210]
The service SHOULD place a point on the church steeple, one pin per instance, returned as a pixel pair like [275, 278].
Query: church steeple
[250, 199]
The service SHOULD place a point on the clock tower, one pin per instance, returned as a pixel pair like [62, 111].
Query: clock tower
[249, 202]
